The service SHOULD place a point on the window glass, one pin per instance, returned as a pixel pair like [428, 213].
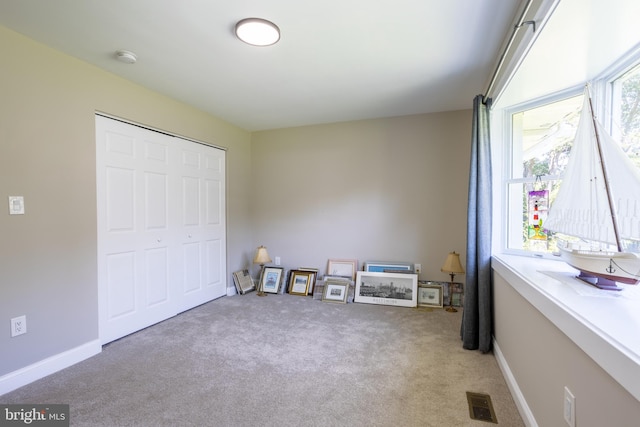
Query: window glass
[625, 128]
[542, 135]
[546, 133]
[541, 142]
[626, 113]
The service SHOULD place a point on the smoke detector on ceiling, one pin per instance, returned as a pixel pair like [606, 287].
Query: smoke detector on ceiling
[126, 56]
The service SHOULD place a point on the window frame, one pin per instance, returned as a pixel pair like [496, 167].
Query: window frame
[604, 84]
[507, 167]
[602, 89]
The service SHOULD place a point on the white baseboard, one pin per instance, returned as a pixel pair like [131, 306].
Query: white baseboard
[28, 374]
[516, 393]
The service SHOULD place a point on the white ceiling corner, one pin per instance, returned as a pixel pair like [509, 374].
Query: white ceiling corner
[336, 60]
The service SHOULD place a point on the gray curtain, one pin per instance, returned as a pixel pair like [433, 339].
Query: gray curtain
[477, 318]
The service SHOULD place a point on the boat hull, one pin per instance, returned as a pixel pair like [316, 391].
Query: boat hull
[622, 267]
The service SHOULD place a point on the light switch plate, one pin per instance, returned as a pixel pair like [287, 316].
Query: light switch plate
[16, 205]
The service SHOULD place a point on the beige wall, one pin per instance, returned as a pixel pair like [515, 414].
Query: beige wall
[390, 189]
[543, 360]
[47, 154]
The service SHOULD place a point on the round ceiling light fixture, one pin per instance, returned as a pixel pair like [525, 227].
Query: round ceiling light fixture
[257, 32]
[126, 56]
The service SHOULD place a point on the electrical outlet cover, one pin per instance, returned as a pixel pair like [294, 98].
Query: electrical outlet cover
[18, 326]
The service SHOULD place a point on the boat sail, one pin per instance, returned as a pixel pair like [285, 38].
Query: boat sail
[598, 201]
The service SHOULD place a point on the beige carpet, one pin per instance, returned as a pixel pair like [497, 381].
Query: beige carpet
[282, 360]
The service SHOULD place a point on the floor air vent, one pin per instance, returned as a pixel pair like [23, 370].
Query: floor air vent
[480, 407]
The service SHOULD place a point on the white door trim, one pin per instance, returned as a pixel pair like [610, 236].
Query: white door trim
[154, 129]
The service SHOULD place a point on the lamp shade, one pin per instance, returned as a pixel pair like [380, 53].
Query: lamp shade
[262, 256]
[452, 264]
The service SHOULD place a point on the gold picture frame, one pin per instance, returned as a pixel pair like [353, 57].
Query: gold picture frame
[299, 282]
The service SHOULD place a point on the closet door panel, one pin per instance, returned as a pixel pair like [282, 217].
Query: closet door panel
[157, 196]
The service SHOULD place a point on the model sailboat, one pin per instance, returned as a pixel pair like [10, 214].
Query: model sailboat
[598, 201]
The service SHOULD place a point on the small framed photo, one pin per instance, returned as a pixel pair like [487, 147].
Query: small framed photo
[342, 268]
[453, 294]
[243, 281]
[270, 279]
[430, 295]
[335, 291]
[314, 278]
[299, 282]
[388, 267]
[400, 289]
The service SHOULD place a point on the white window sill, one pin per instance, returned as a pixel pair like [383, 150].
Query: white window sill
[604, 324]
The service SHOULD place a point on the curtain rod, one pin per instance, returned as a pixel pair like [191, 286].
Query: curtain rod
[520, 23]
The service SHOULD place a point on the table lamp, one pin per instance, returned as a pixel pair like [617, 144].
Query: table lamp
[262, 257]
[452, 266]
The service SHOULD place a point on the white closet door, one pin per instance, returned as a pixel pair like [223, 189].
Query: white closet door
[202, 224]
[148, 260]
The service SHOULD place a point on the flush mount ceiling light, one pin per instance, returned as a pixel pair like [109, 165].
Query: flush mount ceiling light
[257, 32]
[126, 56]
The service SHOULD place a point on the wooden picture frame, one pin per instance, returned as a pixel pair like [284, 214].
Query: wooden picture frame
[430, 295]
[342, 268]
[299, 282]
[336, 291]
[270, 279]
[399, 289]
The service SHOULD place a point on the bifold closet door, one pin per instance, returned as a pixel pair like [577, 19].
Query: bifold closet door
[161, 226]
[202, 257]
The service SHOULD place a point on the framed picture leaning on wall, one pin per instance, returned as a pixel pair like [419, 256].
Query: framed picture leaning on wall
[270, 279]
[400, 289]
[382, 267]
[342, 268]
[314, 278]
[335, 290]
[243, 281]
[430, 294]
[299, 282]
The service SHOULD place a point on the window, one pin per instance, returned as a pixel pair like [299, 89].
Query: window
[625, 121]
[542, 133]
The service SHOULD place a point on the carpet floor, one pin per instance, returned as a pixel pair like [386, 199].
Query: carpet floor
[282, 360]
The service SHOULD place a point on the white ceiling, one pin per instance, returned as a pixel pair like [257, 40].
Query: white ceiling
[337, 60]
[581, 40]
